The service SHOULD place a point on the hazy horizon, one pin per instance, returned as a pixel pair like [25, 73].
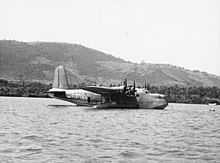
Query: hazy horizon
[180, 33]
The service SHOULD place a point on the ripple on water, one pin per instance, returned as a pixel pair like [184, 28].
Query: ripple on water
[7, 151]
[39, 130]
[129, 154]
[31, 149]
[31, 137]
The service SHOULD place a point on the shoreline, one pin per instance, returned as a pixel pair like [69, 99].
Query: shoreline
[174, 94]
[210, 104]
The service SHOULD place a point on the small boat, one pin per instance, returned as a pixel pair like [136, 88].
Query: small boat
[212, 104]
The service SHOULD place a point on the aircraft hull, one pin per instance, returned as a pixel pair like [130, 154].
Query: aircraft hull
[119, 102]
[113, 105]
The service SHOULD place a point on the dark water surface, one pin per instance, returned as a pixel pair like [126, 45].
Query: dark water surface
[49, 130]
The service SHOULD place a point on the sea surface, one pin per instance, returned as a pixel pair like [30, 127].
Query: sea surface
[50, 130]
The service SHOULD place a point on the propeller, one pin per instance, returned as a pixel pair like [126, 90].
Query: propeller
[134, 89]
[129, 90]
[125, 86]
[134, 86]
[125, 83]
[145, 86]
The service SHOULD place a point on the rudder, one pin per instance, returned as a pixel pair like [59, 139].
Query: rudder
[60, 78]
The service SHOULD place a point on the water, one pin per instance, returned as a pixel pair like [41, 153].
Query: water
[49, 130]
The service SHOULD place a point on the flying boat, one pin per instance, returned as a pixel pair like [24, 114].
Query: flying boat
[100, 97]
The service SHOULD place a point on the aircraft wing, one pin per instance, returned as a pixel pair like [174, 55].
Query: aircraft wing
[100, 90]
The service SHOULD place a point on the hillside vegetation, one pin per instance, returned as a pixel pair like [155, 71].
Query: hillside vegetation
[36, 61]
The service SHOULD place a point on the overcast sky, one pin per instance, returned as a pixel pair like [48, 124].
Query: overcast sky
[184, 33]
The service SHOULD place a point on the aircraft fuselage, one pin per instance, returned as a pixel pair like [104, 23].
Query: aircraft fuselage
[105, 97]
[142, 99]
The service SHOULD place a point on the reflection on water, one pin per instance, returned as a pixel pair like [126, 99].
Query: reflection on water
[49, 130]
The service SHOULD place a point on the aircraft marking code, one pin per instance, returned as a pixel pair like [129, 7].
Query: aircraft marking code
[78, 96]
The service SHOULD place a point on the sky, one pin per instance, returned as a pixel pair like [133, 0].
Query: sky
[183, 33]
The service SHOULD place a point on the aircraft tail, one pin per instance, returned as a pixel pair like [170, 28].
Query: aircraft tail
[60, 78]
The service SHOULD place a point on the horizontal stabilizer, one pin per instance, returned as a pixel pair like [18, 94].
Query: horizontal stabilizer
[59, 93]
[53, 90]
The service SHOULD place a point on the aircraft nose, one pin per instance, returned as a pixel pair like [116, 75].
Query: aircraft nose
[162, 96]
[165, 98]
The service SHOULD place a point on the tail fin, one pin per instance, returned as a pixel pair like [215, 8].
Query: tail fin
[60, 78]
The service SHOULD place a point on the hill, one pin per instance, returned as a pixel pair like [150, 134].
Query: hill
[36, 61]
